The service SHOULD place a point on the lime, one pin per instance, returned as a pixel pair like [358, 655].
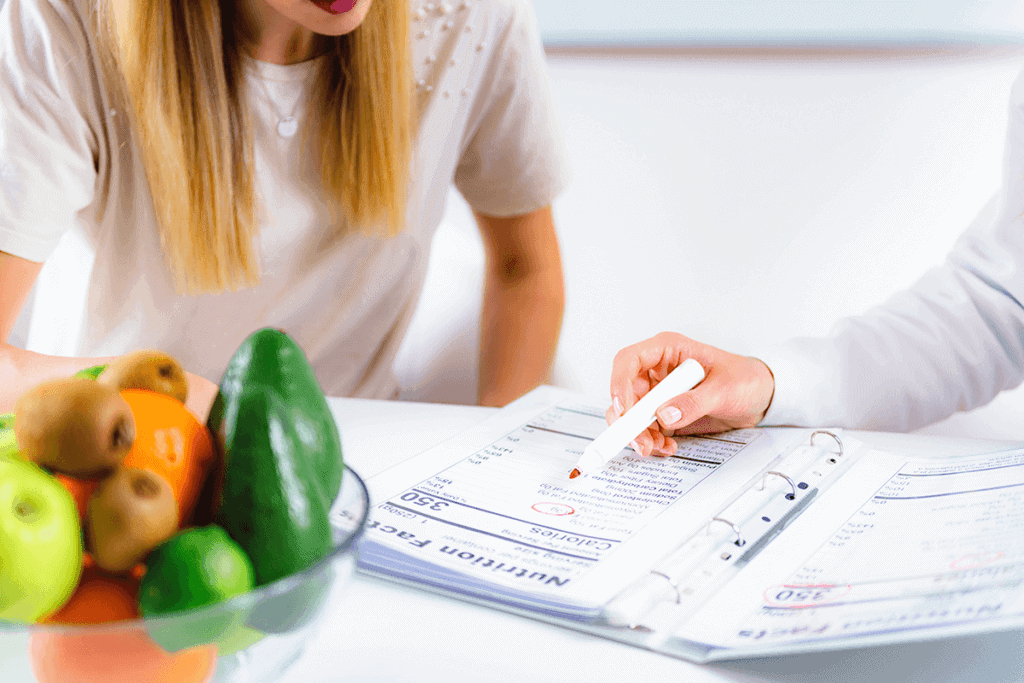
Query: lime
[91, 373]
[196, 568]
[238, 639]
[294, 608]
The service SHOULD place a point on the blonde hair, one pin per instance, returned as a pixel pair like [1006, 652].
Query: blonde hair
[177, 66]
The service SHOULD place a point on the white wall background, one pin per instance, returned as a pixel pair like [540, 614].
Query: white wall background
[740, 197]
[777, 21]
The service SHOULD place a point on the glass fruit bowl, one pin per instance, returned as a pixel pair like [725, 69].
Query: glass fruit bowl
[252, 637]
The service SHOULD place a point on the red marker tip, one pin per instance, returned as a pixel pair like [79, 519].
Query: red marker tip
[575, 473]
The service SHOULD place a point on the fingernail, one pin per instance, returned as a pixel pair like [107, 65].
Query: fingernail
[617, 405]
[635, 446]
[670, 415]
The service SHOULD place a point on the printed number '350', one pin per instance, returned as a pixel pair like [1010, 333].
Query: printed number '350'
[428, 502]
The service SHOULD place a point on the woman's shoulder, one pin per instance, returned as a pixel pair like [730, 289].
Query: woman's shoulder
[58, 17]
[496, 11]
[46, 34]
[507, 11]
[488, 25]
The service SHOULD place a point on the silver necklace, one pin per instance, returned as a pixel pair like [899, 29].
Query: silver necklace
[287, 125]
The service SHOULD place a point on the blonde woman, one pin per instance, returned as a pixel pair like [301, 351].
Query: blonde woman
[191, 171]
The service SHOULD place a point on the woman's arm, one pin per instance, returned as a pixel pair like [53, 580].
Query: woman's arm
[524, 296]
[951, 342]
[20, 370]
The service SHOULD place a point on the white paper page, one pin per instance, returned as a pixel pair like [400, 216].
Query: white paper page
[678, 584]
[497, 504]
[904, 545]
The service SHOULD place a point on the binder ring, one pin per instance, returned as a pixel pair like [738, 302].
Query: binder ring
[736, 530]
[792, 494]
[672, 583]
[838, 441]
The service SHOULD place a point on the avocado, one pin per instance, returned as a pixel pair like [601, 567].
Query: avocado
[272, 503]
[269, 360]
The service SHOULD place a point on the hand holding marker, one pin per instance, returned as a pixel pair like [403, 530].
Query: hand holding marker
[638, 418]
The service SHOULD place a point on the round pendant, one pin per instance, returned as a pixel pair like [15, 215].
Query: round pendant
[287, 126]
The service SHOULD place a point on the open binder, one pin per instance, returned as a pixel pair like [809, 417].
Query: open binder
[750, 543]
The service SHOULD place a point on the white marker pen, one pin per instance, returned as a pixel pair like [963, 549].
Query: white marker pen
[638, 418]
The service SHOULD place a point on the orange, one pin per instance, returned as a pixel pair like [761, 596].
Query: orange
[116, 656]
[168, 441]
[100, 597]
[80, 490]
[172, 443]
[124, 654]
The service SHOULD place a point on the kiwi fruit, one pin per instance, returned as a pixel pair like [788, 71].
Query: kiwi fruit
[152, 370]
[74, 426]
[131, 512]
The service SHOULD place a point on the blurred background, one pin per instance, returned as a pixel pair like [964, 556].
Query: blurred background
[745, 171]
[775, 22]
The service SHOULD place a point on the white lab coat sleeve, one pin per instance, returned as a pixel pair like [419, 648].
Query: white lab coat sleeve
[951, 342]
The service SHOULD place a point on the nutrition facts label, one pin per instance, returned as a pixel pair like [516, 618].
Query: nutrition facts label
[512, 504]
[938, 543]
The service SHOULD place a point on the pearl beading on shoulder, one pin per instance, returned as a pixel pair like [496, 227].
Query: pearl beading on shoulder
[433, 18]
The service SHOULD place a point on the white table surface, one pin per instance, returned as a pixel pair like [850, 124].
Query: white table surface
[377, 631]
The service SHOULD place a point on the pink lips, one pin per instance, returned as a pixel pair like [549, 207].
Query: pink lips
[337, 6]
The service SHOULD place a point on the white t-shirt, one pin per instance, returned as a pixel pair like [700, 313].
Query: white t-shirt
[73, 193]
[949, 343]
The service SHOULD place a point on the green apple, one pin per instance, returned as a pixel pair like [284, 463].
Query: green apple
[40, 542]
[8, 445]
